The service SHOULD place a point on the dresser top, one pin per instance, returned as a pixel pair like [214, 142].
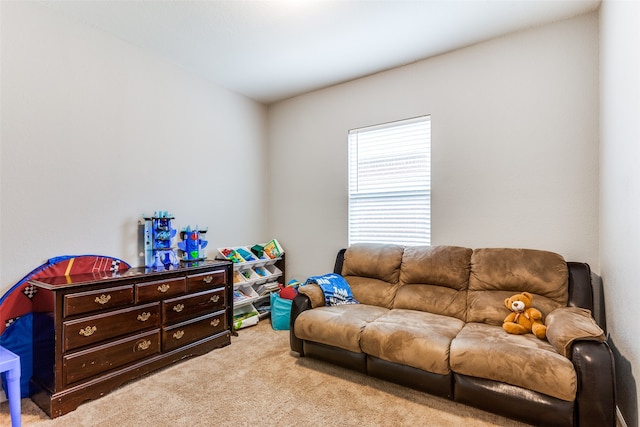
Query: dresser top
[84, 279]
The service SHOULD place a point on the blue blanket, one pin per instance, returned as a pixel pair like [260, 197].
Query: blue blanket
[336, 290]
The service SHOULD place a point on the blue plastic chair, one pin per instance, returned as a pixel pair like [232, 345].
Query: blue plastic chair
[10, 363]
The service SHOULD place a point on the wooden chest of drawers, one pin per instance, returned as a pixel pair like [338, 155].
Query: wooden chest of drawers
[94, 332]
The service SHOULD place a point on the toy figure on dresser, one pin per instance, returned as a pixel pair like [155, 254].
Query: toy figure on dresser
[158, 233]
[192, 245]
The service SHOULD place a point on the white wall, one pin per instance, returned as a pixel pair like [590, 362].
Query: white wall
[514, 157]
[620, 191]
[96, 132]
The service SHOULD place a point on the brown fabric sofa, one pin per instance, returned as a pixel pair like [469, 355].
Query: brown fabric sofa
[431, 318]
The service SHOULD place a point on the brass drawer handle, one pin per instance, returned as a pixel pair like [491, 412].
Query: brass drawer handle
[163, 288]
[214, 298]
[144, 316]
[88, 331]
[207, 279]
[215, 322]
[103, 299]
[144, 345]
[178, 334]
[178, 308]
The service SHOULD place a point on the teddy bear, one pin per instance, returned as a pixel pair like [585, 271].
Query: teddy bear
[523, 318]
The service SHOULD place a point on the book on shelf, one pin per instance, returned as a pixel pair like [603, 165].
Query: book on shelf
[273, 249]
[262, 290]
[263, 309]
[241, 294]
[272, 286]
[267, 288]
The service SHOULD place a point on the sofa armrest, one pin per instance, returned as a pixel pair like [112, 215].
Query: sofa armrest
[566, 325]
[337, 267]
[586, 291]
[595, 370]
[309, 296]
[315, 294]
[300, 303]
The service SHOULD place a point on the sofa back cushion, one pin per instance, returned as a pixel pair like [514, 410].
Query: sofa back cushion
[497, 274]
[434, 279]
[373, 271]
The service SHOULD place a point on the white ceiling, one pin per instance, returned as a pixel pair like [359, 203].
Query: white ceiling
[273, 49]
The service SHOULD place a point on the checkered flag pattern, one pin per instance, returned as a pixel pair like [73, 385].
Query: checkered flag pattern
[30, 291]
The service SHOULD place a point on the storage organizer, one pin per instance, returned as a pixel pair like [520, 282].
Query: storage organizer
[255, 276]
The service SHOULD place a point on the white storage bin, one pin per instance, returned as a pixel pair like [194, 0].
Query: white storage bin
[238, 277]
[249, 275]
[245, 316]
[230, 254]
[274, 272]
[239, 299]
[247, 291]
[246, 254]
[261, 274]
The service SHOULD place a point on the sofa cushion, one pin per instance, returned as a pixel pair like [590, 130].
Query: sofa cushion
[414, 338]
[338, 325]
[373, 271]
[497, 274]
[434, 279]
[486, 351]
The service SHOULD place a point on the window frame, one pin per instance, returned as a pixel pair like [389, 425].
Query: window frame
[369, 156]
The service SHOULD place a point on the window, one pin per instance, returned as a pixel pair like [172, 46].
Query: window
[390, 183]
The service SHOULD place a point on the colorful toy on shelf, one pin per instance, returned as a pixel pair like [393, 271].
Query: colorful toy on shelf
[192, 244]
[158, 234]
[232, 255]
[266, 253]
[246, 255]
[258, 250]
[261, 271]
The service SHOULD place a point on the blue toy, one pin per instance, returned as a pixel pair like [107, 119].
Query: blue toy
[246, 255]
[192, 244]
[158, 233]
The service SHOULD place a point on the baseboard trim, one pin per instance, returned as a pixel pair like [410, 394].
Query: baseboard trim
[620, 422]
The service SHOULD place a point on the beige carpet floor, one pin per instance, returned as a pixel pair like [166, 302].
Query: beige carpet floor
[257, 381]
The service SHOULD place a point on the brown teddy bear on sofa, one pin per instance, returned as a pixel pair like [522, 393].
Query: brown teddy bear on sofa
[523, 318]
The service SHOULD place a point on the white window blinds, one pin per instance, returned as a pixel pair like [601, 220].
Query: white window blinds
[390, 183]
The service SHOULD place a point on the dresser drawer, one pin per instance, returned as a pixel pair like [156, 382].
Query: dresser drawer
[96, 360]
[194, 305]
[154, 291]
[193, 330]
[86, 302]
[212, 279]
[89, 330]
